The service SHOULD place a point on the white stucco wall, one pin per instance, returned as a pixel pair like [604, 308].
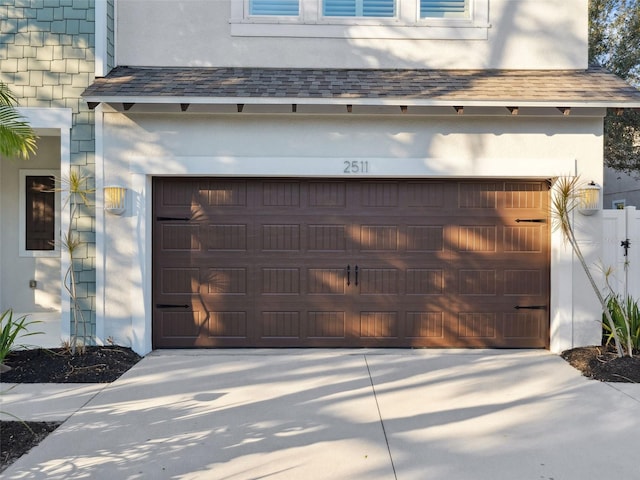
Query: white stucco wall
[46, 303]
[520, 34]
[15, 292]
[137, 146]
[42, 303]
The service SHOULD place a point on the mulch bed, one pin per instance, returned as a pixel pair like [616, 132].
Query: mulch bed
[17, 438]
[602, 364]
[106, 364]
[96, 365]
[57, 365]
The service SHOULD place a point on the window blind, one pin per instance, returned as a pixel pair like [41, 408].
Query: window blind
[358, 8]
[443, 8]
[274, 7]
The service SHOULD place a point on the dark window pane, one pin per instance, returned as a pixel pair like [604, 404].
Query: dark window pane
[41, 213]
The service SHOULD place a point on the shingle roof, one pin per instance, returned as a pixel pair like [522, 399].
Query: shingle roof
[592, 87]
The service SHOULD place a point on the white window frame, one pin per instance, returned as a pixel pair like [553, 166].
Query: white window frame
[405, 25]
[22, 209]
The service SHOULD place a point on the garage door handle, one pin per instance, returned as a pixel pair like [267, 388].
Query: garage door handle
[531, 307]
[348, 275]
[530, 220]
[170, 305]
[356, 275]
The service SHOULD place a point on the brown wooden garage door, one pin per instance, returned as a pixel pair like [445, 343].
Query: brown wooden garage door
[333, 263]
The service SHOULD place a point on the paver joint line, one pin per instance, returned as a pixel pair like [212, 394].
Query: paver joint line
[609, 384]
[384, 431]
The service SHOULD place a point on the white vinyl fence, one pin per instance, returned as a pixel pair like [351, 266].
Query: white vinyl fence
[622, 228]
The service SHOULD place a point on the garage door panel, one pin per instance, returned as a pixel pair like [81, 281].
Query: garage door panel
[227, 237]
[226, 193]
[379, 194]
[280, 194]
[523, 239]
[424, 325]
[280, 281]
[281, 237]
[378, 238]
[327, 194]
[378, 324]
[280, 324]
[180, 237]
[425, 281]
[378, 281]
[478, 195]
[330, 324]
[273, 263]
[477, 325]
[425, 238]
[326, 238]
[524, 282]
[524, 195]
[182, 324]
[179, 281]
[477, 282]
[326, 281]
[226, 281]
[477, 238]
[227, 324]
[524, 325]
[425, 195]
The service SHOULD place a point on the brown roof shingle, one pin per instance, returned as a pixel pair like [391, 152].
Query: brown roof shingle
[170, 84]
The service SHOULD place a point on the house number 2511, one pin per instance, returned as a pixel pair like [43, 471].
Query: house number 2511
[356, 166]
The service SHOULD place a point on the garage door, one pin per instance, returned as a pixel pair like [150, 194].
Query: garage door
[333, 263]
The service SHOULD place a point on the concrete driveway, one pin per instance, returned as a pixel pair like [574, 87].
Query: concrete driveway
[346, 414]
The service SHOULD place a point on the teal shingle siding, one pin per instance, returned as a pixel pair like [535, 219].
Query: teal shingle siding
[47, 60]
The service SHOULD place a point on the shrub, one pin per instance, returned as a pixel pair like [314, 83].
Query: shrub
[626, 317]
[10, 330]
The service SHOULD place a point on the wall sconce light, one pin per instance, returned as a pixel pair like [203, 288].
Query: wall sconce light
[589, 201]
[114, 199]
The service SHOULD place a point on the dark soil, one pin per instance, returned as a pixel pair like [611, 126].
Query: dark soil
[602, 364]
[17, 438]
[106, 364]
[57, 365]
[96, 365]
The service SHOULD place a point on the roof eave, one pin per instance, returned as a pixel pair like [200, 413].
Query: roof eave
[395, 101]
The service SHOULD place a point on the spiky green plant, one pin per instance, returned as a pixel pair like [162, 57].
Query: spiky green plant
[565, 200]
[625, 313]
[10, 330]
[17, 138]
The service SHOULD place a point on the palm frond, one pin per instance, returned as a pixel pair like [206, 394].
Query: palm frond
[7, 98]
[17, 138]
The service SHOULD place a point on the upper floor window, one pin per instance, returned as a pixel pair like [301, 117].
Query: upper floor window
[283, 8]
[397, 19]
[443, 8]
[358, 8]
